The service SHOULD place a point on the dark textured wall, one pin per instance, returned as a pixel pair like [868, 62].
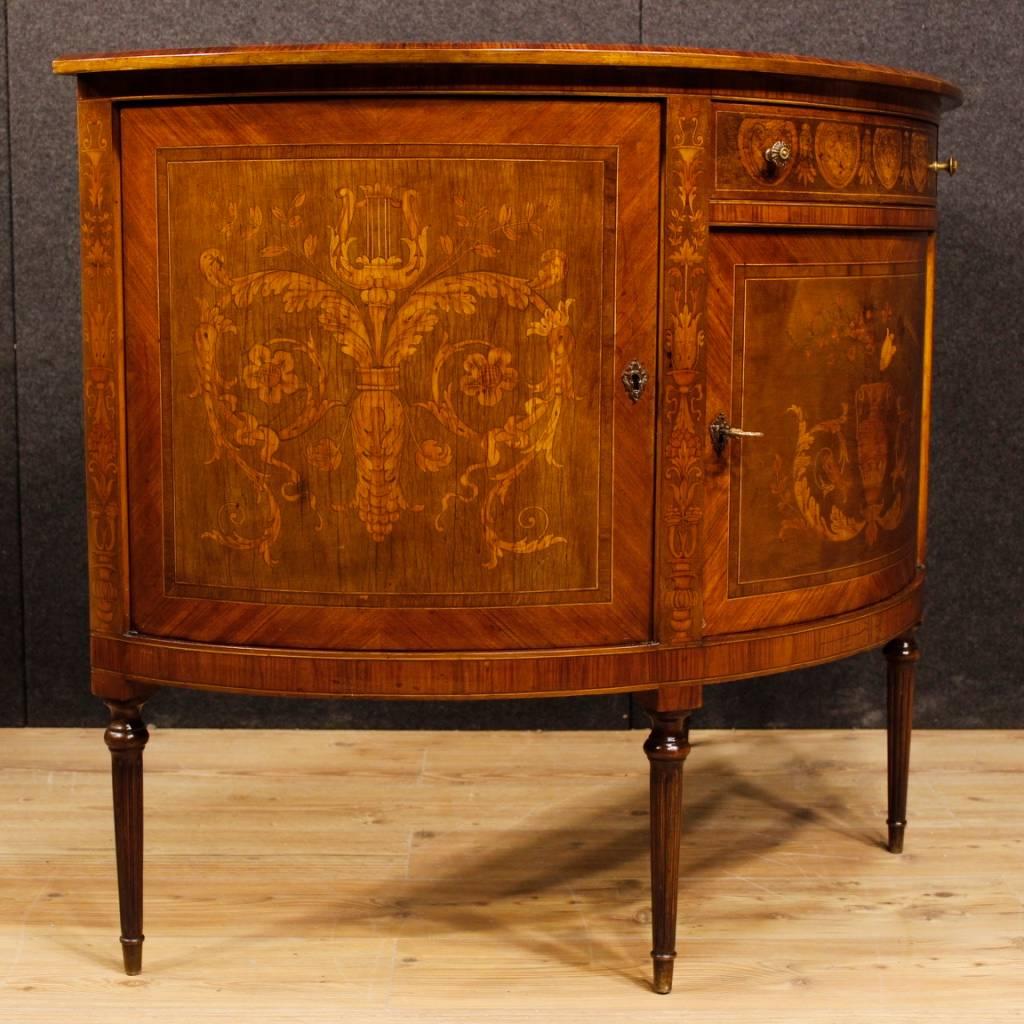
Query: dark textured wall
[12, 688]
[973, 636]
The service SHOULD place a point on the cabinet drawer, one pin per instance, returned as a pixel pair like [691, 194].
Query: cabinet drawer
[856, 158]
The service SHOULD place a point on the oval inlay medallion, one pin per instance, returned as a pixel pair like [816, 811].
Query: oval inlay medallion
[837, 147]
[755, 136]
[888, 156]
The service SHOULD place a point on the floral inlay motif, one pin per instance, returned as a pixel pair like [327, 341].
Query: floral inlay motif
[271, 374]
[488, 376]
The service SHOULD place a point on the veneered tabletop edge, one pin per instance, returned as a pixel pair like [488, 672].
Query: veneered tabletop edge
[552, 54]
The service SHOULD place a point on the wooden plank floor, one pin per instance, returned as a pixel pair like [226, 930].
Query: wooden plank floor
[478, 878]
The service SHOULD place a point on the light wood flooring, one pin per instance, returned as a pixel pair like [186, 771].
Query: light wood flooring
[478, 878]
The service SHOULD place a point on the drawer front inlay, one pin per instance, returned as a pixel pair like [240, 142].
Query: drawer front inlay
[871, 158]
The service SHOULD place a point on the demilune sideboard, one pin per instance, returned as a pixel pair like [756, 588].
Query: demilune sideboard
[451, 372]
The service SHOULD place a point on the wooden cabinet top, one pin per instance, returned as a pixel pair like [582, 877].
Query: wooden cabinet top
[549, 55]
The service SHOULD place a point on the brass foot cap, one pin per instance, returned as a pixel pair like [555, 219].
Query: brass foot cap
[896, 837]
[131, 949]
[663, 976]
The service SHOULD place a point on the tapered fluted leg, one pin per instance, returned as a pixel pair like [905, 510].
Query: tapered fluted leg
[902, 655]
[666, 749]
[126, 737]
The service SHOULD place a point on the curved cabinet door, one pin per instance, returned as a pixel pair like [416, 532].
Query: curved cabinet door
[374, 350]
[818, 342]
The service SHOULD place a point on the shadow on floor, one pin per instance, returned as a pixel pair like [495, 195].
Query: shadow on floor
[536, 859]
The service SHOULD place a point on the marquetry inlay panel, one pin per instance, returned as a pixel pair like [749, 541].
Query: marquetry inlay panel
[832, 490]
[375, 372]
[102, 367]
[376, 358]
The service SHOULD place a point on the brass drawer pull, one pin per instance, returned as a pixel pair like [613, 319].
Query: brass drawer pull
[777, 154]
[720, 432]
[634, 380]
[950, 166]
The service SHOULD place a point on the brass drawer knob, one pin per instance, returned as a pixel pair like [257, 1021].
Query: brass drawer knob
[950, 166]
[777, 154]
[634, 380]
[721, 431]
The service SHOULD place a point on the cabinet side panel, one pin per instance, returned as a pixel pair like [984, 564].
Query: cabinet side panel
[926, 403]
[103, 364]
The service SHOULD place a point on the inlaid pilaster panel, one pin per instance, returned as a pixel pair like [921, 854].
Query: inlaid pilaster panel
[688, 169]
[103, 365]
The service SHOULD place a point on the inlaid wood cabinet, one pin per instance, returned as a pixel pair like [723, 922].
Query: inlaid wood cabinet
[453, 372]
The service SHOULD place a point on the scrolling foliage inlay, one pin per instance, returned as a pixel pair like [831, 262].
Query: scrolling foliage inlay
[382, 283]
[101, 367]
[686, 228]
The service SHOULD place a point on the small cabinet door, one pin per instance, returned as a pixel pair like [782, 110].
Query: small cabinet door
[374, 349]
[817, 343]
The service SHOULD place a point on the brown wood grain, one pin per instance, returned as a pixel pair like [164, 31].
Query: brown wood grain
[126, 737]
[684, 287]
[505, 879]
[666, 748]
[317, 81]
[926, 403]
[103, 383]
[480, 674]
[902, 655]
[356, 326]
[752, 213]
